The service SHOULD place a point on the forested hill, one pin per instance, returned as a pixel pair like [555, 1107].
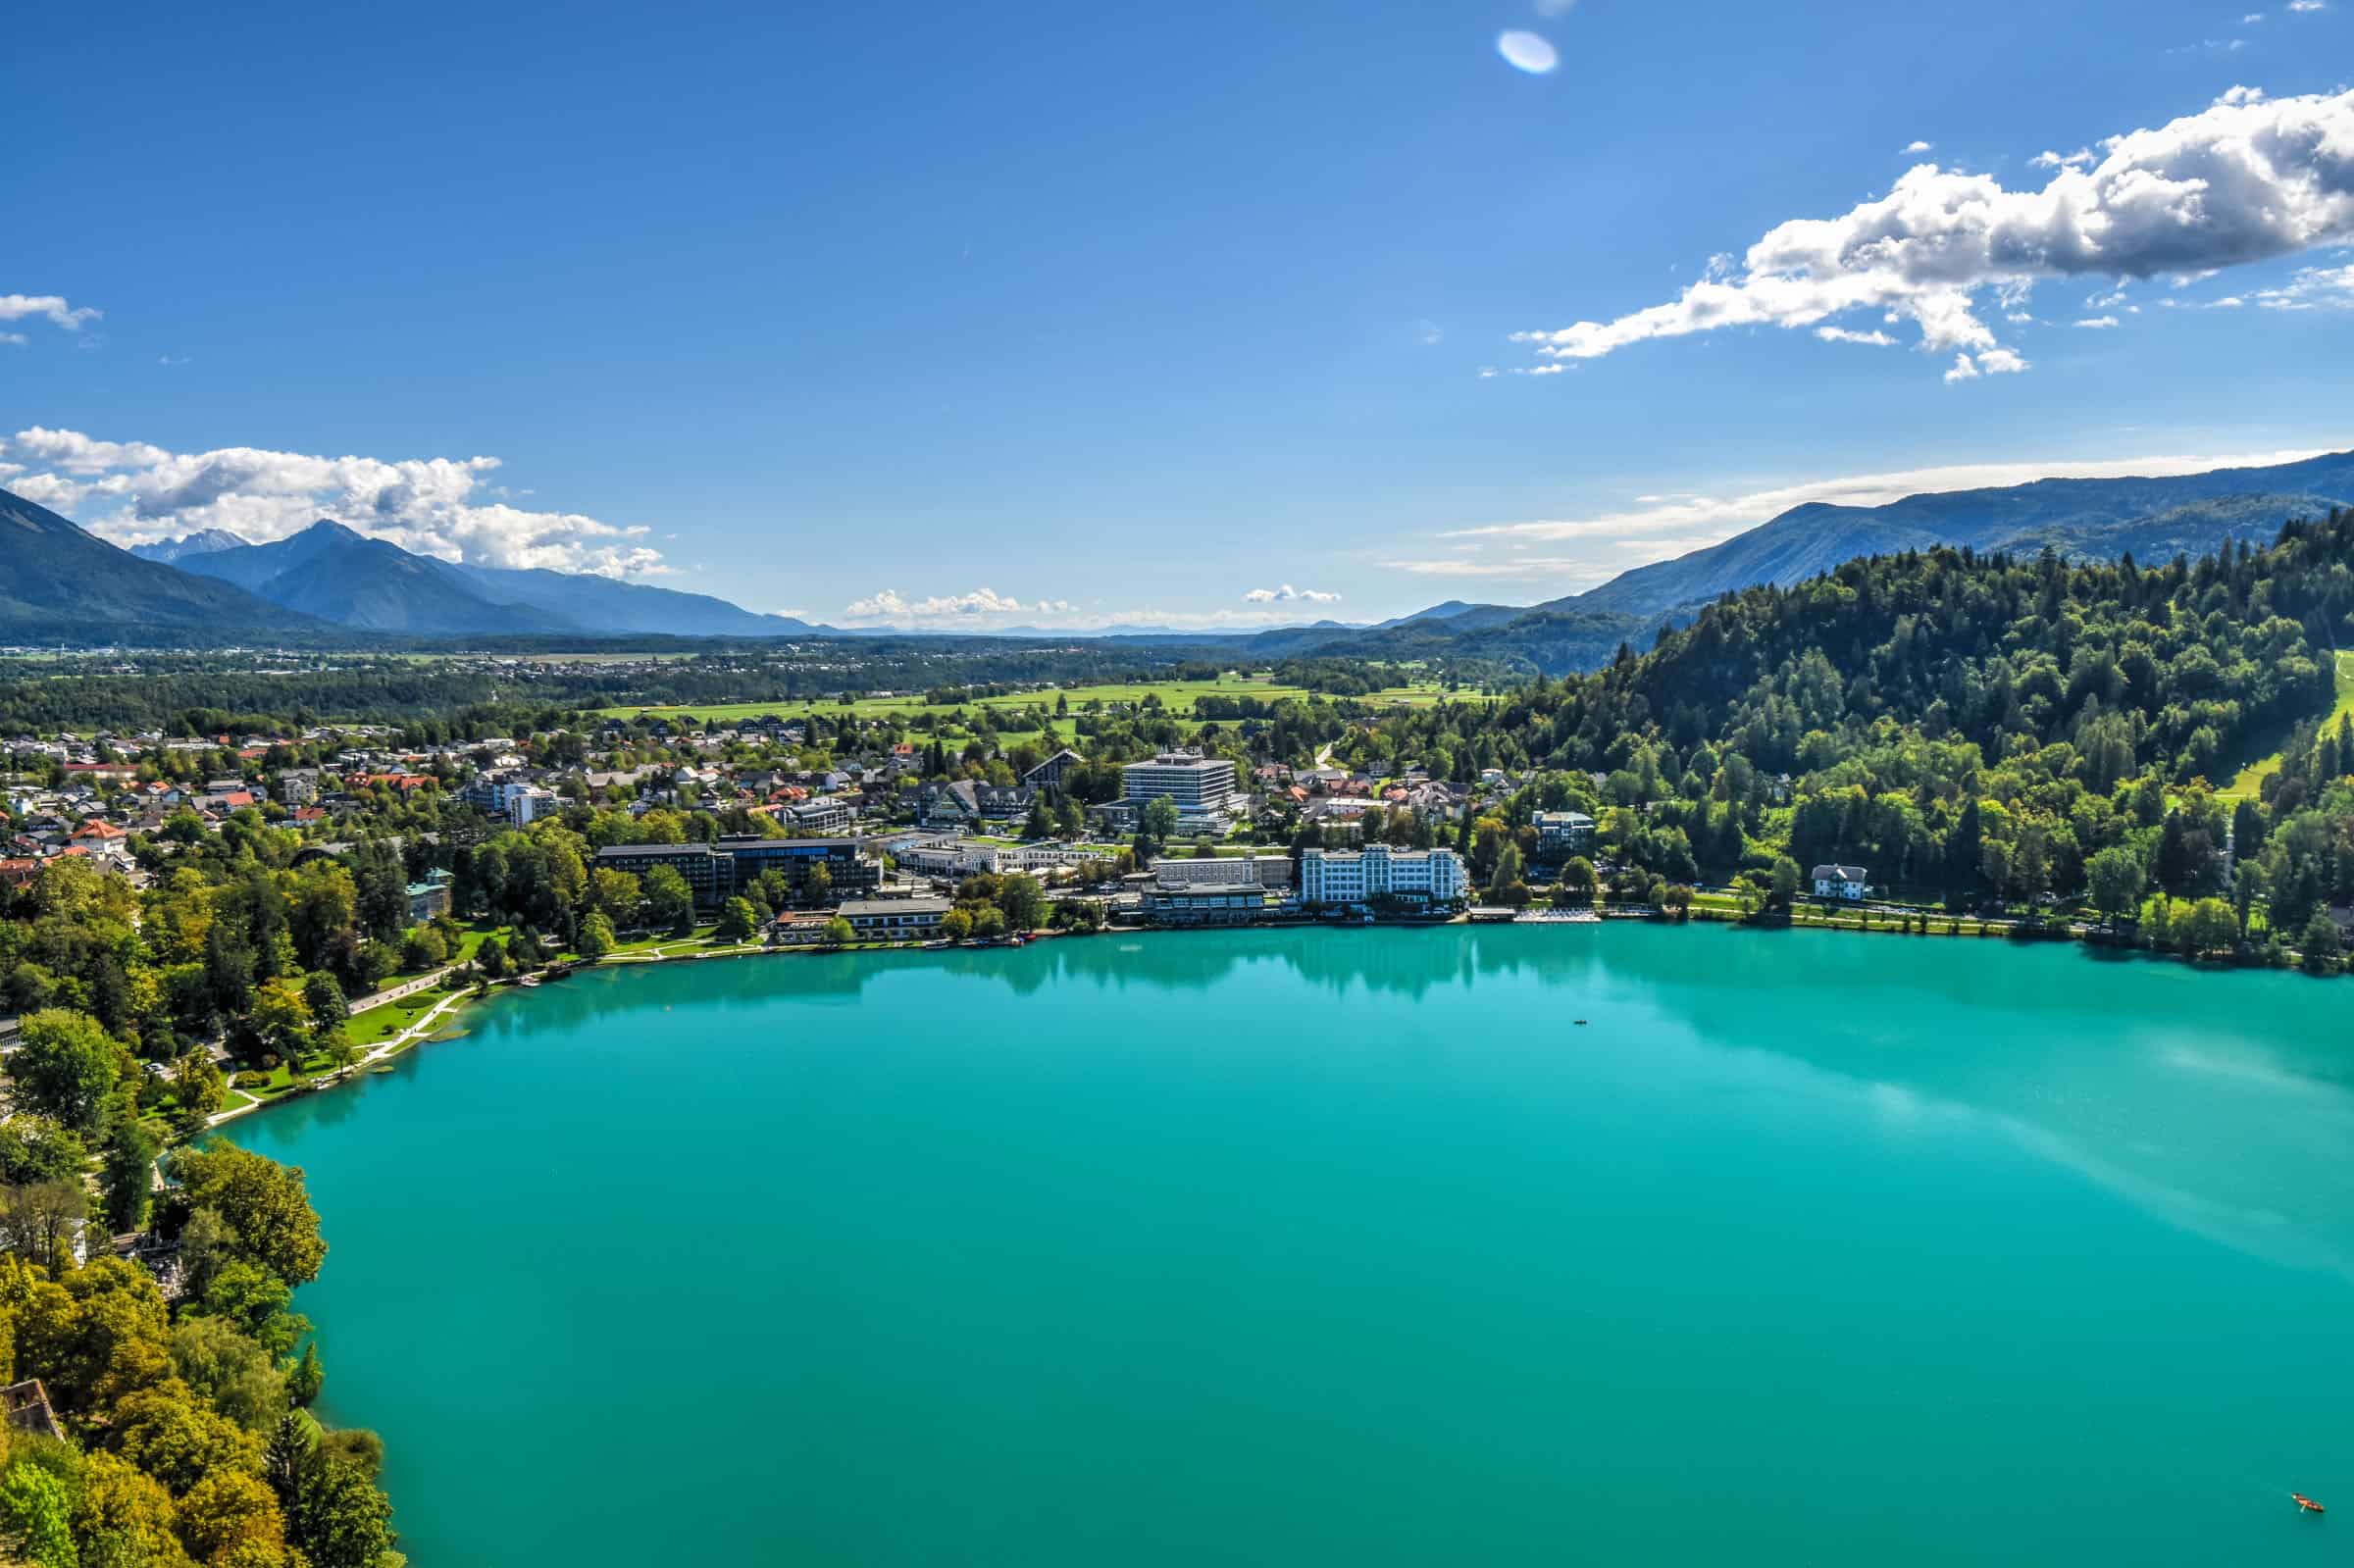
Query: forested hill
[2202, 656]
[1970, 725]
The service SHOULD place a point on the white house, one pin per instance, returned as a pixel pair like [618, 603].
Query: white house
[1841, 882]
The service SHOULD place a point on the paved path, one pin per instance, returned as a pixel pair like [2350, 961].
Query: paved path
[407, 988]
[368, 1058]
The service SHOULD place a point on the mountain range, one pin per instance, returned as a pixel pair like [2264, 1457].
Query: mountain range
[59, 583]
[2151, 519]
[336, 574]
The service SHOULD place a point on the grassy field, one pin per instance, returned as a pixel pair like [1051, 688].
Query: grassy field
[2250, 781]
[380, 1023]
[1175, 695]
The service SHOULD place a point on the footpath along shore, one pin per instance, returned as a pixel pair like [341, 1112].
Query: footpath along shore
[431, 1019]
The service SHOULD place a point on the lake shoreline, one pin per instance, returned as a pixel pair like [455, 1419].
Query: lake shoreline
[436, 1019]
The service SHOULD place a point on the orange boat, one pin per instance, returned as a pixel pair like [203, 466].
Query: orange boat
[2306, 1504]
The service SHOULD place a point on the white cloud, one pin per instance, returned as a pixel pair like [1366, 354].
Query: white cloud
[51, 308]
[1912, 148]
[2308, 5]
[2313, 288]
[984, 611]
[2097, 323]
[133, 492]
[1842, 334]
[979, 605]
[2048, 159]
[2251, 19]
[1690, 521]
[2246, 180]
[11, 337]
[1287, 594]
[1527, 51]
[1964, 369]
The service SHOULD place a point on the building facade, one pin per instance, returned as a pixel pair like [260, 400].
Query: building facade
[716, 872]
[1226, 871]
[1563, 835]
[1205, 904]
[1379, 873]
[1840, 881]
[1201, 788]
[896, 919]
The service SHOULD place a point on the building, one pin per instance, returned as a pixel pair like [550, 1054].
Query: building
[1205, 904]
[947, 857]
[1196, 784]
[849, 870]
[1563, 834]
[716, 872]
[824, 815]
[709, 875]
[1379, 873]
[1048, 775]
[1225, 871]
[896, 919]
[954, 804]
[429, 899]
[1201, 788]
[1840, 881]
[800, 928]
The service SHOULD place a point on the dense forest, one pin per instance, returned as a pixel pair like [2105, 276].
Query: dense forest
[181, 1391]
[1966, 727]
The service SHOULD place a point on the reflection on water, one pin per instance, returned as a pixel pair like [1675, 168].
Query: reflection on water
[2217, 1102]
[1354, 1246]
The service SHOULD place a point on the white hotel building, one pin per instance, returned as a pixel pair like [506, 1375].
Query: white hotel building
[1201, 788]
[1359, 876]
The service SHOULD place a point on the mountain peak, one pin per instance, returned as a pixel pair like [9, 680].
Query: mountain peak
[204, 541]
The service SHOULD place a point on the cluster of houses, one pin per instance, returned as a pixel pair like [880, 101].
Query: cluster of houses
[868, 815]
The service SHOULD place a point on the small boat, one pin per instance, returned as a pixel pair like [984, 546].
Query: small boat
[2305, 1504]
[529, 981]
[1581, 1022]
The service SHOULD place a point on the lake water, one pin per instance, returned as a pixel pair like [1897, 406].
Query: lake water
[1355, 1247]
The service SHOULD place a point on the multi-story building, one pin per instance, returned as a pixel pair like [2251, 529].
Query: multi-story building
[824, 815]
[1561, 835]
[716, 872]
[1194, 784]
[1048, 775]
[849, 869]
[1204, 903]
[1201, 788]
[1225, 871]
[1840, 881]
[1379, 873]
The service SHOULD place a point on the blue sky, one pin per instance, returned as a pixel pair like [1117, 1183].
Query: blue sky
[978, 315]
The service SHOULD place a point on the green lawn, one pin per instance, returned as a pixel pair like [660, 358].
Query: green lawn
[2249, 783]
[1175, 695]
[380, 1023]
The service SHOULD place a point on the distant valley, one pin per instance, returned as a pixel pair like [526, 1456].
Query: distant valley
[60, 584]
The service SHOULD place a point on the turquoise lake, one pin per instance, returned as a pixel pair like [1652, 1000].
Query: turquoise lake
[1355, 1248]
